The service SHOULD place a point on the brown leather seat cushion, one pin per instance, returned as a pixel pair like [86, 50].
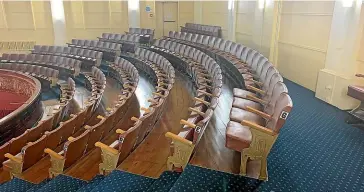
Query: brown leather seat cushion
[238, 137]
[356, 92]
[243, 103]
[241, 93]
[239, 115]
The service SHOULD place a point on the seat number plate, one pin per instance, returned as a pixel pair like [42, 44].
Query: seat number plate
[284, 115]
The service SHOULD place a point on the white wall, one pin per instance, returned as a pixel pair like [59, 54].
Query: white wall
[303, 39]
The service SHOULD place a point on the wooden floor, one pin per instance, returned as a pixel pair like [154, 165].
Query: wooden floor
[149, 159]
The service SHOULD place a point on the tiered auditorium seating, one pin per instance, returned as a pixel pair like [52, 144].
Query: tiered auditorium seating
[44, 73]
[257, 113]
[127, 40]
[202, 29]
[146, 35]
[206, 74]
[52, 61]
[27, 149]
[76, 147]
[156, 66]
[110, 50]
[85, 55]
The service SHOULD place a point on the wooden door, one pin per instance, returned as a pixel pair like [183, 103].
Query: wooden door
[170, 17]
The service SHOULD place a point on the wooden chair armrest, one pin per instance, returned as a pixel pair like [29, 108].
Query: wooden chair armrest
[53, 153]
[206, 93]
[72, 115]
[161, 88]
[71, 138]
[205, 85]
[255, 89]
[257, 82]
[178, 138]
[134, 119]
[145, 109]
[207, 80]
[260, 113]
[87, 127]
[13, 158]
[152, 101]
[256, 99]
[202, 101]
[161, 83]
[107, 148]
[100, 117]
[184, 122]
[196, 111]
[128, 86]
[258, 127]
[119, 131]
[108, 109]
[158, 94]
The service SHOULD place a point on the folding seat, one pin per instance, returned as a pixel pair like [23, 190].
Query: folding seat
[30, 154]
[244, 137]
[13, 58]
[3, 150]
[112, 36]
[52, 50]
[87, 44]
[72, 151]
[119, 149]
[67, 51]
[29, 58]
[21, 58]
[118, 37]
[18, 142]
[37, 49]
[58, 50]
[105, 35]
[74, 43]
[96, 132]
[205, 40]
[94, 43]
[272, 78]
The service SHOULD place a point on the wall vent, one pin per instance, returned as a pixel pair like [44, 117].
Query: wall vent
[16, 45]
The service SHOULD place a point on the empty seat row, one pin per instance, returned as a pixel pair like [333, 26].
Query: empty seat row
[207, 76]
[86, 55]
[47, 60]
[125, 72]
[119, 38]
[27, 149]
[202, 29]
[45, 73]
[129, 139]
[258, 112]
[76, 147]
[106, 47]
[146, 35]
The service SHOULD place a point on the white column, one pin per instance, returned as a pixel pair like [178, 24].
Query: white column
[134, 14]
[59, 23]
[340, 64]
[232, 19]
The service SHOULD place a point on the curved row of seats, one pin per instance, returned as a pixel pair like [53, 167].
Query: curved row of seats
[207, 76]
[85, 55]
[160, 68]
[45, 73]
[52, 61]
[76, 147]
[146, 35]
[110, 50]
[25, 150]
[128, 41]
[202, 29]
[119, 38]
[257, 113]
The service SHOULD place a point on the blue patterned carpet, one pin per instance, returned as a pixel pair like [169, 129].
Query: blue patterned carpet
[316, 150]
